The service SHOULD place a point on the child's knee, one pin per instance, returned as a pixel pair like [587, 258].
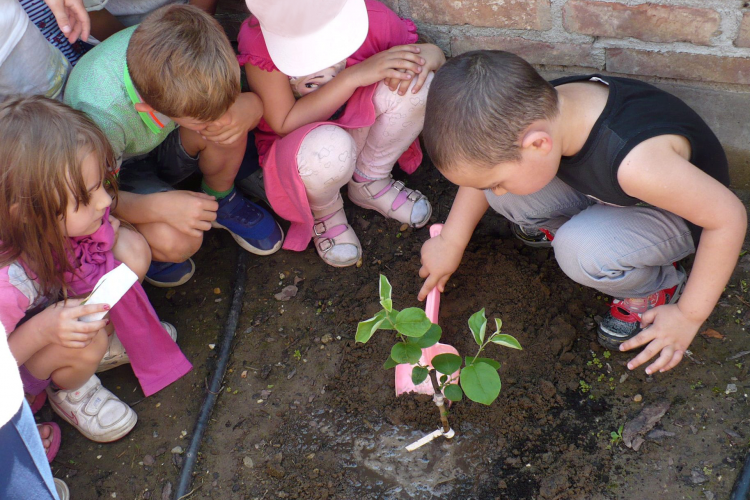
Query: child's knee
[133, 249]
[578, 253]
[172, 245]
[327, 156]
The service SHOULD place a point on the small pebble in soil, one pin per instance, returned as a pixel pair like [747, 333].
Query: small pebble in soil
[637, 398]
[177, 449]
[327, 338]
[217, 291]
[149, 460]
[624, 377]
[730, 389]
[403, 227]
[248, 462]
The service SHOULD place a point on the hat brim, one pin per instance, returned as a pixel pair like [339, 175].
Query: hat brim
[304, 55]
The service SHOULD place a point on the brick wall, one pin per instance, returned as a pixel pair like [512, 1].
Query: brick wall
[687, 40]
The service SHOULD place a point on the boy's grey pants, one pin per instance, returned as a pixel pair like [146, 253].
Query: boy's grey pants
[626, 252]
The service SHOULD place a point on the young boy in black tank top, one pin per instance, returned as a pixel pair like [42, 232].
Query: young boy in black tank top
[620, 178]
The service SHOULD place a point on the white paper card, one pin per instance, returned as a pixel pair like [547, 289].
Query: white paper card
[109, 290]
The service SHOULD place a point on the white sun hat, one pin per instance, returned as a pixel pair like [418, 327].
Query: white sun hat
[305, 36]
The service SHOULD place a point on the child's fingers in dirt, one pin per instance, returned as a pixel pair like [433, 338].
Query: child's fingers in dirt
[665, 357]
[676, 358]
[651, 350]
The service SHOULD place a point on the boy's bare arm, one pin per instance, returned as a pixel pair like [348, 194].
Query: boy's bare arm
[189, 212]
[442, 254]
[657, 172]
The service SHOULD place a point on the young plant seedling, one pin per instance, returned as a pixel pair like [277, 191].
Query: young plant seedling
[477, 376]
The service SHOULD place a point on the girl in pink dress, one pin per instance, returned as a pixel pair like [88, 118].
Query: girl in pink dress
[358, 111]
[56, 240]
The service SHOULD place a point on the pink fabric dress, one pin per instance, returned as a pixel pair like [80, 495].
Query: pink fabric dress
[284, 187]
[156, 360]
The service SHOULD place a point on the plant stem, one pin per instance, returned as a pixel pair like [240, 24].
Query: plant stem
[440, 401]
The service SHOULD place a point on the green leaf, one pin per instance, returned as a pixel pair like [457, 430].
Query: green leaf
[389, 363]
[478, 326]
[481, 383]
[453, 392]
[429, 339]
[365, 329]
[498, 324]
[443, 379]
[419, 375]
[447, 363]
[491, 362]
[412, 322]
[389, 320]
[406, 353]
[507, 341]
[385, 293]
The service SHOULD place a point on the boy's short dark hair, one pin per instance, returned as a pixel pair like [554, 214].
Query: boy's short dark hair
[479, 104]
[183, 65]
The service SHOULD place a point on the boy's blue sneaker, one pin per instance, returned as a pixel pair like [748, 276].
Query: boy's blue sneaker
[252, 227]
[169, 274]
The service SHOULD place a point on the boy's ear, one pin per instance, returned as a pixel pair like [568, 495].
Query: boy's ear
[142, 107]
[537, 139]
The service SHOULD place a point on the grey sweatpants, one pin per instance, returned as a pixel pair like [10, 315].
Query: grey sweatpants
[625, 252]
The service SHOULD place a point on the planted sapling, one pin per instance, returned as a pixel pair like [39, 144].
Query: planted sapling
[451, 376]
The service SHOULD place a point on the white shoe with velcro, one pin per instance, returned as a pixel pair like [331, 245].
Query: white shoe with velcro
[94, 411]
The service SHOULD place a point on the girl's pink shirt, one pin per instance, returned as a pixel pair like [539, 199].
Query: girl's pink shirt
[284, 187]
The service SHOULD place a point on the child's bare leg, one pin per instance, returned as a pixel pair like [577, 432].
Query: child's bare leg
[133, 250]
[69, 368]
[168, 244]
[218, 163]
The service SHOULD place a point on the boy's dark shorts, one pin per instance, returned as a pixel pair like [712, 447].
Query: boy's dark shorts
[159, 170]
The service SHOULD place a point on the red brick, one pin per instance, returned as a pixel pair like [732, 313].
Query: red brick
[649, 22]
[515, 14]
[743, 38]
[679, 65]
[535, 52]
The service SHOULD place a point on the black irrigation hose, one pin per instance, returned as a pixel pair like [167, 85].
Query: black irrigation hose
[230, 327]
[741, 490]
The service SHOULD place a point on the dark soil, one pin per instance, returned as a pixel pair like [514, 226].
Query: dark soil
[307, 413]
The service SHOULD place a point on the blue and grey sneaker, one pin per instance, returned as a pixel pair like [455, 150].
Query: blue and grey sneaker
[169, 274]
[252, 227]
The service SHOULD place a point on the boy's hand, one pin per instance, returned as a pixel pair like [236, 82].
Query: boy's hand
[440, 259]
[243, 116]
[188, 212]
[399, 63]
[60, 324]
[669, 331]
[72, 18]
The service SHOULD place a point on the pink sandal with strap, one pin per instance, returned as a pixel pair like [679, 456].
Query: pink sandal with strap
[390, 198]
[331, 231]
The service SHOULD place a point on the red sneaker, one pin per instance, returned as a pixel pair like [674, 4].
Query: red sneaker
[623, 320]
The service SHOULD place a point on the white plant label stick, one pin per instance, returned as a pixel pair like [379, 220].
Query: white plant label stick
[109, 290]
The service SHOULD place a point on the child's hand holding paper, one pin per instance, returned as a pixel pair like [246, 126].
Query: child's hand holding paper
[109, 290]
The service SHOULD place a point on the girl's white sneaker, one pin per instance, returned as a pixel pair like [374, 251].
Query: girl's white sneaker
[116, 355]
[94, 411]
